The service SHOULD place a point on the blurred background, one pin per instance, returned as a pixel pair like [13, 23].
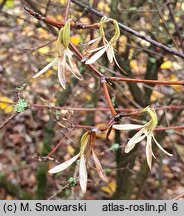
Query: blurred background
[27, 45]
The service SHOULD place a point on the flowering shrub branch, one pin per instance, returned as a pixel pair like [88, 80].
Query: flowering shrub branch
[65, 62]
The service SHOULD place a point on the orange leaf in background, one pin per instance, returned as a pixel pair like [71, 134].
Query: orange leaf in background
[7, 108]
[156, 95]
[103, 7]
[8, 197]
[110, 189]
[122, 43]
[103, 135]
[134, 65]
[70, 150]
[178, 88]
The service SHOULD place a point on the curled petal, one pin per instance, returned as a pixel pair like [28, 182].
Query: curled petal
[149, 151]
[64, 165]
[74, 69]
[99, 168]
[160, 147]
[127, 126]
[46, 68]
[114, 57]
[135, 139]
[83, 178]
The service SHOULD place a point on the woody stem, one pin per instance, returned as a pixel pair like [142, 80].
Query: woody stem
[107, 96]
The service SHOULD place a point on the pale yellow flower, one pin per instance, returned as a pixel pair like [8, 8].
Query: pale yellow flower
[64, 59]
[108, 46]
[146, 131]
[82, 164]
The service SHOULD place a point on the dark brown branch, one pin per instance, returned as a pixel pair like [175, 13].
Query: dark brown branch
[131, 31]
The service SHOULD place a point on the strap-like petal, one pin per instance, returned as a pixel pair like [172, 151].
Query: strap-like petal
[74, 69]
[160, 147]
[61, 73]
[46, 68]
[83, 177]
[138, 137]
[99, 168]
[64, 165]
[149, 151]
[127, 126]
[97, 55]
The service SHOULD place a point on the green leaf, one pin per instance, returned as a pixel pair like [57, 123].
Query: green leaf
[21, 106]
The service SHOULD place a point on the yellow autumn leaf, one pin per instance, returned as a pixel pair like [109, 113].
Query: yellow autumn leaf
[63, 1]
[134, 66]
[8, 4]
[122, 43]
[44, 50]
[6, 107]
[70, 150]
[156, 95]
[43, 33]
[166, 65]
[178, 88]
[110, 188]
[103, 7]
[75, 39]
[131, 53]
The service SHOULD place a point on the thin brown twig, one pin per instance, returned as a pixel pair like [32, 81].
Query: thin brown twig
[106, 92]
[159, 9]
[59, 191]
[7, 121]
[60, 143]
[2, 4]
[176, 26]
[47, 7]
[92, 68]
[60, 24]
[147, 81]
[82, 109]
[67, 10]
[133, 32]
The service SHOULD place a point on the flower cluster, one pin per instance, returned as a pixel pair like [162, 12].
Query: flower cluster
[146, 131]
[87, 138]
[108, 46]
[64, 59]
